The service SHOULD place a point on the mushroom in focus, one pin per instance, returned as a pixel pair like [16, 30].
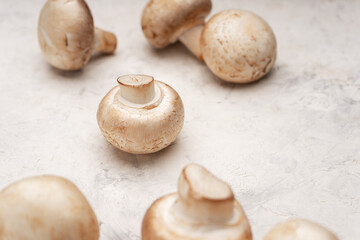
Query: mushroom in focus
[204, 208]
[299, 229]
[46, 208]
[141, 115]
[238, 46]
[67, 35]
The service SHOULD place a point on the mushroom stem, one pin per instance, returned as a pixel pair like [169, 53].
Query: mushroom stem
[204, 197]
[191, 39]
[138, 89]
[105, 42]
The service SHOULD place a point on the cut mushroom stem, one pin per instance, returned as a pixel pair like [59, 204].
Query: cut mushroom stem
[204, 197]
[204, 207]
[138, 89]
[141, 115]
[191, 39]
[105, 42]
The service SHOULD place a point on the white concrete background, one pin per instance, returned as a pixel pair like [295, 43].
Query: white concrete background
[289, 145]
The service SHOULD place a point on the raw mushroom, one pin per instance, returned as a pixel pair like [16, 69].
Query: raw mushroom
[238, 46]
[46, 208]
[204, 208]
[299, 229]
[67, 35]
[141, 115]
[165, 21]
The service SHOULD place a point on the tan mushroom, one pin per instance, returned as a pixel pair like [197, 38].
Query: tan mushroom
[237, 46]
[67, 36]
[299, 229]
[166, 21]
[204, 208]
[141, 115]
[46, 208]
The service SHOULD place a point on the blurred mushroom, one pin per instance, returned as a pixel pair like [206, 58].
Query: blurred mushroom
[141, 115]
[204, 208]
[299, 229]
[238, 46]
[46, 208]
[165, 21]
[67, 35]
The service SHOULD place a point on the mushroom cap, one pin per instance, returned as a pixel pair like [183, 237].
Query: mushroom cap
[145, 129]
[163, 21]
[46, 208]
[204, 208]
[160, 223]
[238, 46]
[299, 229]
[66, 33]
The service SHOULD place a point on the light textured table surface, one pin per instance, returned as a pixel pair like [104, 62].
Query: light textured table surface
[289, 145]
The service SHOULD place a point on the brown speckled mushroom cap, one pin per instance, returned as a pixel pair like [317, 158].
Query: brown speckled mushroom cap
[46, 208]
[163, 21]
[238, 46]
[144, 126]
[66, 33]
[299, 229]
[203, 209]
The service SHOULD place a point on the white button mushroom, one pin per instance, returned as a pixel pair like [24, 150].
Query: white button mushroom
[67, 36]
[203, 208]
[237, 46]
[141, 115]
[165, 21]
[46, 208]
[299, 229]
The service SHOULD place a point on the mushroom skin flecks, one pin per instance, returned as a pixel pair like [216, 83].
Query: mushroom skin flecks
[46, 208]
[141, 115]
[67, 35]
[299, 229]
[204, 208]
[238, 46]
